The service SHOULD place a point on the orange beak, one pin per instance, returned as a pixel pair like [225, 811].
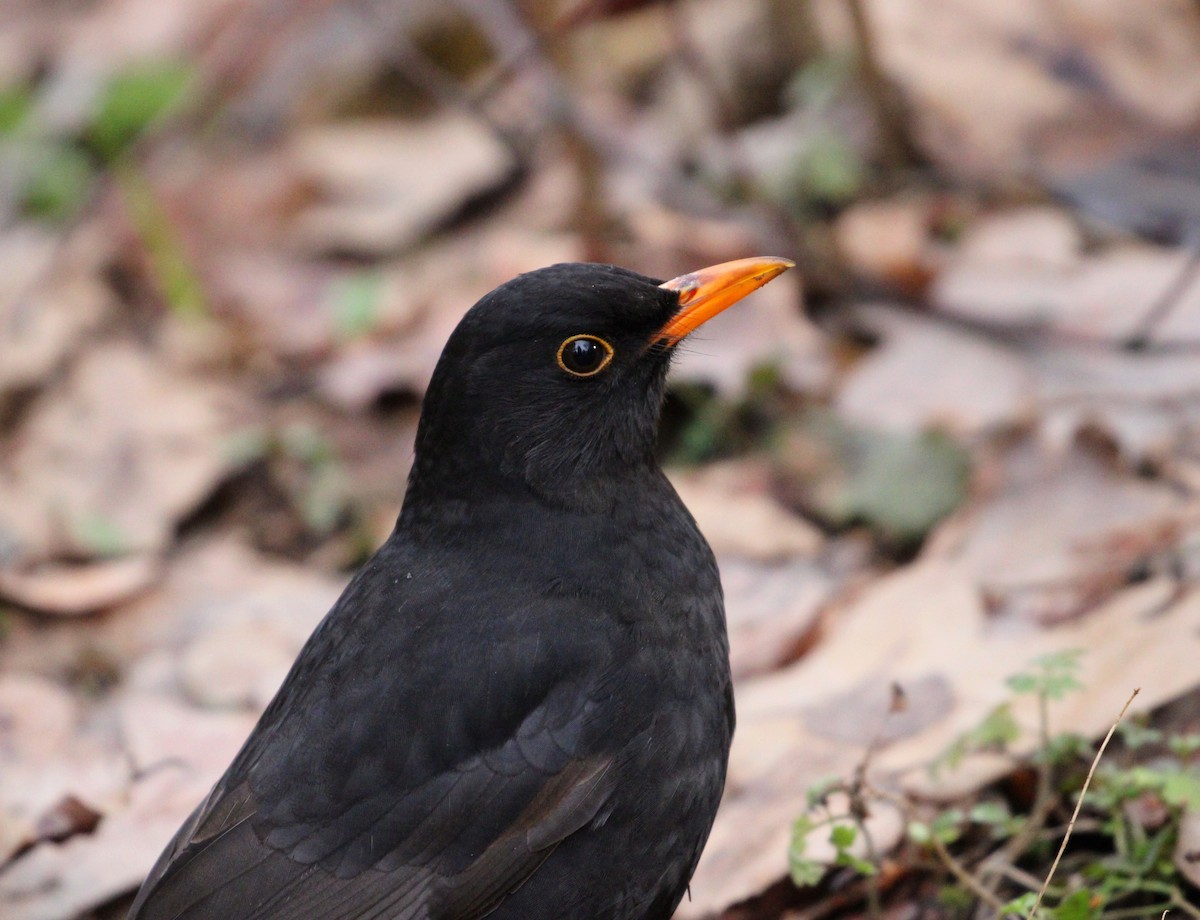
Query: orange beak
[705, 293]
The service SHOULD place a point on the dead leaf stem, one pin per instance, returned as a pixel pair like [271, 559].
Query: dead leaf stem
[1078, 805]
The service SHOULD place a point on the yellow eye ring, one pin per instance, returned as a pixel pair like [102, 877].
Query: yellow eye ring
[580, 357]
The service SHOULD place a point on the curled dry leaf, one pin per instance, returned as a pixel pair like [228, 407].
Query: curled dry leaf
[44, 764]
[57, 880]
[76, 589]
[773, 611]
[237, 664]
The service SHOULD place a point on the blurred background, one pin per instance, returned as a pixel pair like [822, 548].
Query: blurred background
[961, 441]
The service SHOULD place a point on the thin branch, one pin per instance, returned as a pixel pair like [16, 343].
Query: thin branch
[1079, 804]
[965, 878]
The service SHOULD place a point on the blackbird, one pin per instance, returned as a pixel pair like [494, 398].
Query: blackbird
[521, 706]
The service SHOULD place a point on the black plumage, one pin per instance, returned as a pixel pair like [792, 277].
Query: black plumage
[520, 707]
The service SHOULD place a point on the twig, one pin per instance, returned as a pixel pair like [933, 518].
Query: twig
[898, 148]
[1178, 899]
[1139, 339]
[1078, 805]
[965, 878]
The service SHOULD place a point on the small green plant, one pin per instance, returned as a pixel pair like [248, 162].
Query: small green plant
[1131, 812]
[133, 101]
[322, 495]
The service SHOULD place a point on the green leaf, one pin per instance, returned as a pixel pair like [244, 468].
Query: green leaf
[1138, 734]
[947, 826]
[100, 534]
[1054, 676]
[356, 301]
[1184, 745]
[998, 730]
[819, 791]
[806, 872]
[179, 284]
[843, 836]
[15, 105]
[133, 100]
[899, 485]
[920, 833]
[58, 182]
[1182, 788]
[991, 812]
[1023, 683]
[857, 863]
[1076, 906]
[1019, 907]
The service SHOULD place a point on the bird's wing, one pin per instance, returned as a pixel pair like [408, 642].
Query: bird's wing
[375, 786]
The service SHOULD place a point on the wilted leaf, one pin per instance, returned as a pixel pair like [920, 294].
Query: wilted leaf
[75, 589]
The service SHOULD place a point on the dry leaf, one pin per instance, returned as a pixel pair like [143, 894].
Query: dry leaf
[77, 589]
[988, 81]
[50, 299]
[59, 880]
[386, 184]
[1062, 533]
[733, 507]
[889, 241]
[110, 461]
[926, 376]
[923, 626]
[772, 611]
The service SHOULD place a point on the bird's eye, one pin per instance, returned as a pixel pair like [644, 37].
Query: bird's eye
[584, 355]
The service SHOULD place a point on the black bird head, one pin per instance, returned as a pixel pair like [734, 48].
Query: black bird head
[554, 381]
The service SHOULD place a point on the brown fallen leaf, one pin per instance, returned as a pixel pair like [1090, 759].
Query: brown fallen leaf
[44, 760]
[51, 297]
[384, 185]
[773, 611]
[732, 505]
[60, 880]
[928, 376]
[113, 458]
[986, 82]
[68, 817]
[79, 589]
[889, 241]
[1060, 534]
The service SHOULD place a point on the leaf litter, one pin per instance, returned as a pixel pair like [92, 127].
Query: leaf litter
[968, 468]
